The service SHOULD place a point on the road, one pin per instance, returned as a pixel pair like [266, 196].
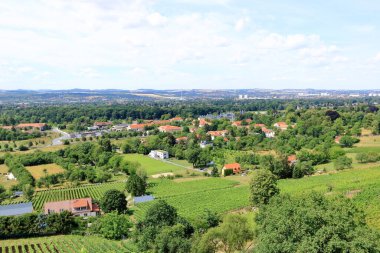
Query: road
[58, 141]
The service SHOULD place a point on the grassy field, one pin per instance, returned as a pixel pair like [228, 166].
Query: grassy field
[3, 179]
[65, 244]
[152, 166]
[39, 170]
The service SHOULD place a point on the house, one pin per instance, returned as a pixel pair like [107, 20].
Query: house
[169, 129]
[16, 209]
[268, 133]
[136, 127]
[259, 125]
[78, 207]
[181, 139]
[159, 154]
[241, 123]
[205, 144]
[281, 125]
[292, 159]
[202, 122]
[215, 134]
[10, 176]
[193, 129]
[337, 139]
[176, 119]
[38, 126]
[102, 124]
[231, 168]
[120, 127]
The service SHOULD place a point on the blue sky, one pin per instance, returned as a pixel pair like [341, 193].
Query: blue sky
[183, 44]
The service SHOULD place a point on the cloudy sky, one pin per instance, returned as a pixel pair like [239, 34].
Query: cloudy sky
[182, 44]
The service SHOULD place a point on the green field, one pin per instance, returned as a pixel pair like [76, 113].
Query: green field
[191, 198]
[152, 166]
[93, 191]
[65, 244]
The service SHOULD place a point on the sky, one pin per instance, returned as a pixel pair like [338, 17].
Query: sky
[189, 44]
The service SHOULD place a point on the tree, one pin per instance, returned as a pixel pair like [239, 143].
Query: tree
[172, 240]
[263, 186]
[348, 141]
[136, 185]
[333, 115]
[231, 236]
[343, 162]
[28, 191]
[112, 226]
[313, 223]
[105, 144]
[160, 214]
[301, 169]
[113, 200]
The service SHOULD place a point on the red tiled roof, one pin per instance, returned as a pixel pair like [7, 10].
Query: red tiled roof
[176, 119]
[266, 130]
[232, 166]
[80, 203]
[184, 138]
[292, 158]
[35, 125]
[217, 133]
[137, 126]
[259, 125]
[169, 128]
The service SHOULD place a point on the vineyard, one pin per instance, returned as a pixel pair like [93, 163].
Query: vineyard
[64, 244]
[193, 197]
[94, 191]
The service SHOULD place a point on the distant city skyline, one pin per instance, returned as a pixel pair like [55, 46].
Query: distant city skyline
[189, 44]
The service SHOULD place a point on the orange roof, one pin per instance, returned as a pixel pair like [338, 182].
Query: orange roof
[169, 128]
[160, 122]
[337, 139]
[137, 126]
[217, 133]
[203, 122]
[232, 165]
[37, 125]
[176, 119]
[292, 158]
[266, 130]
[259, 125]
[184, 138]
[80, 203]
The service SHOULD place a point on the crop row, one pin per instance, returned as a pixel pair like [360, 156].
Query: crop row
[65, 244]
[93, 191]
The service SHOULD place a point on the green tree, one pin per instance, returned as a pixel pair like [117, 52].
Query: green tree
[113, 200]
[263, 186]
[28, 191]
[136, 185]
[160, 214]
[342, 162]
[112, 226]
[313, 223]
[348, 141]
[172, 240]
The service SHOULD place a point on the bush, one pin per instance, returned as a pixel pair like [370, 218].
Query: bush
[342, 163]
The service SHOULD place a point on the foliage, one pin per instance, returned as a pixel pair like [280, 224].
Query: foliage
[313, 223]
[112, 226]
[113, 200]
[263, 186]
[343, 162]
[136, 185]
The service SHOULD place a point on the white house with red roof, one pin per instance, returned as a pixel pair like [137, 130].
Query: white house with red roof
[78, 207]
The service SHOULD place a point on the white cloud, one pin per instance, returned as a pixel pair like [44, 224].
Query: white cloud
[377, 58]
[241, 24]
[88, 73]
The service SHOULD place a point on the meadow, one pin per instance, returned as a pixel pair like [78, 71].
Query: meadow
[65, 244]
[152, 166]
[3, 178]
[39, 170]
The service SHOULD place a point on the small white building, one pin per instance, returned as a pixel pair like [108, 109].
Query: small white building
[10, 176]
[159, 154]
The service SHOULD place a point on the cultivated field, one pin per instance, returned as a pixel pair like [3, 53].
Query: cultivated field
[39, 170]
[65, 244]
[95, 191]
[152, 166]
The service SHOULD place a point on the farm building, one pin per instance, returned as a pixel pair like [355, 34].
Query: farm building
[16, 209]
[231, 168]
[169, 129]
[159, 154]
[78, 207]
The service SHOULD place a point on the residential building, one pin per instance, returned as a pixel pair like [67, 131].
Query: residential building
[176, 119]
[231, 168]
[16, 209]
[242, 123]
[281, 125]
[202, 122]
[292, 159]
[120, 127]
[136, 127]
[159, 154]
[102, 124]
[38, 126]
[259, 125]
[181, 139]
[169, 129]
[78, 207]
[215, 134]
[268, 132]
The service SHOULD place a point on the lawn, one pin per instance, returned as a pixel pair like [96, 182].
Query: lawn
[3, 178]
[39, 170]
[152, 166]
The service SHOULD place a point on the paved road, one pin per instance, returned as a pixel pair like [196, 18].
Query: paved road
[58, 141]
